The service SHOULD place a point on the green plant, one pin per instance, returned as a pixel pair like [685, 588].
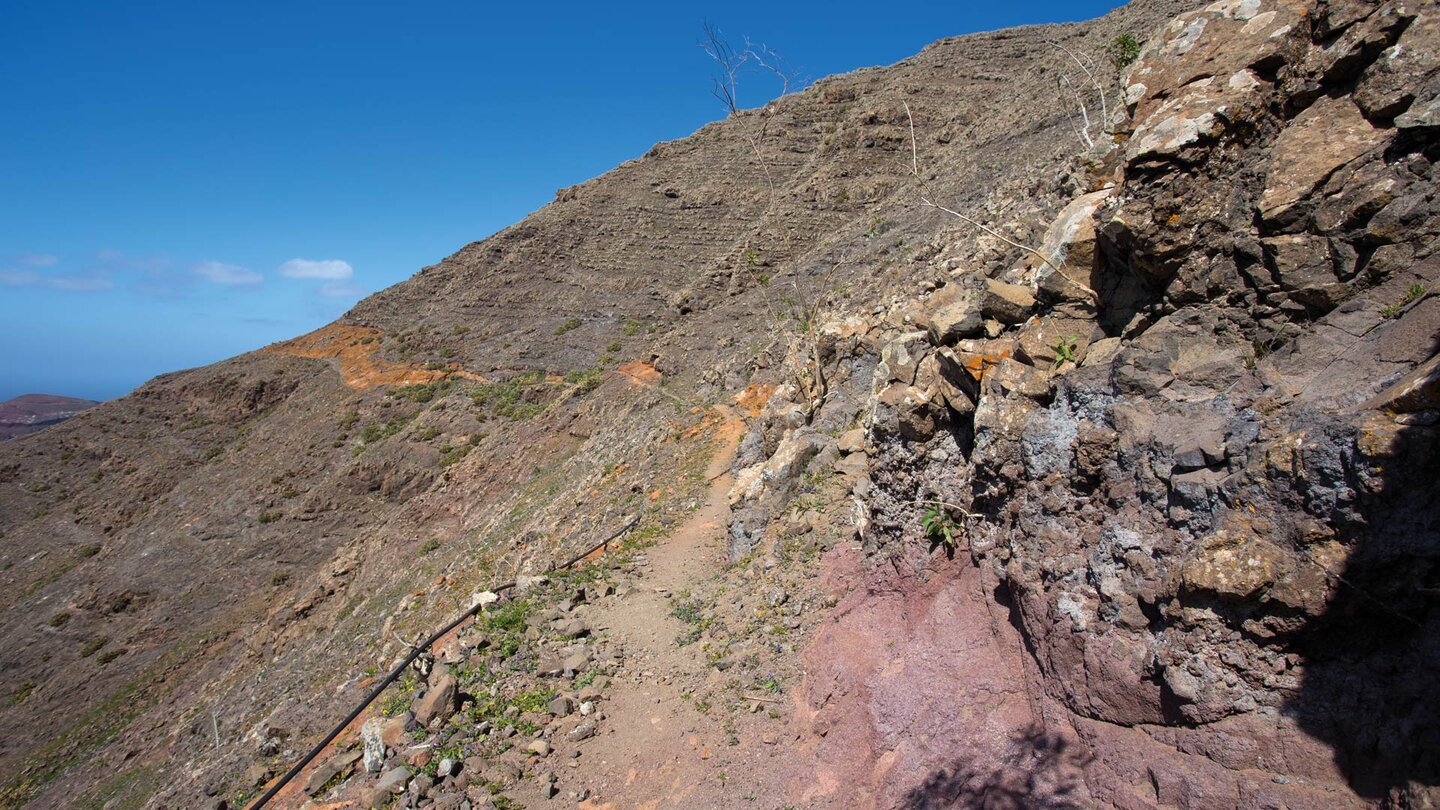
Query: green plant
[507, 399]
[585, 381]
[940, 527]
[632, 327]
[1124, 50]
[452, 455]
[59, 619]
[569, 325]
[1411, 296]
[1065, 349]
[93, 645]
[422, 392]
[376, 432]
[428, 546]
[689, 611]
[279, 578]
[269, 517]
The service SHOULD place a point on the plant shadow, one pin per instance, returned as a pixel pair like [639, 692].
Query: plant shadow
[1038, 769]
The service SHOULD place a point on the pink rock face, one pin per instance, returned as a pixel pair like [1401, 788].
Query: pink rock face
[915, 698]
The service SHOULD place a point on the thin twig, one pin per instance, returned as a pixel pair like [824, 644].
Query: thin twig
[926, 200]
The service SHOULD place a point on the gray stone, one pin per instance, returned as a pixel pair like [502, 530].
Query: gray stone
[394, 780]
[584, 731]
[953, 313]
[561, 706]
[1006, 303]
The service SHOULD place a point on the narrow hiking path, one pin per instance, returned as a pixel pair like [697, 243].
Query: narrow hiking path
[656, 748]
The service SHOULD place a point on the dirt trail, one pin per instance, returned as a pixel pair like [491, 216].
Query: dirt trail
[656, 749]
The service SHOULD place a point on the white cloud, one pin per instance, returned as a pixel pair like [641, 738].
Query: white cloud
[327, 269]
[80, 283]
[341, 290]
[19, 278]
[38, 259]
[93, 281]
[227, 274]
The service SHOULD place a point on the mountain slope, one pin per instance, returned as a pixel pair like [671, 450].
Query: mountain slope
[230, 553]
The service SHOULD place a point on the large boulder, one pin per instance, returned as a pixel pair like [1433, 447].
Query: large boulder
[1329, 134]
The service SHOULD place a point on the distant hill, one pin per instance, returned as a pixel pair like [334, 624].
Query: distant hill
[31, 412]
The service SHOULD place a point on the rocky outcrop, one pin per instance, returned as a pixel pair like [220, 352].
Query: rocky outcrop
[1185, 452]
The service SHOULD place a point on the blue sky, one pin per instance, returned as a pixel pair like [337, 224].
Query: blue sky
[181, 182]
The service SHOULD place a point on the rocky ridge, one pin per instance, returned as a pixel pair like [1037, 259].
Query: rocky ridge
[1181, 454]
[32, 412]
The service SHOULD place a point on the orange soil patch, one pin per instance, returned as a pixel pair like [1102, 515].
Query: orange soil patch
[359, 367]
[640, 372]
[752, 400]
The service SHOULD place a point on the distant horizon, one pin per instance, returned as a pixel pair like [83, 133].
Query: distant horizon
[194, 183]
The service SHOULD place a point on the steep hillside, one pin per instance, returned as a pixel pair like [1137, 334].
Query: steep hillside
[1115, 497]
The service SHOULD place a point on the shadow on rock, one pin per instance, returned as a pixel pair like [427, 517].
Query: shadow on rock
[1037, 770]
[1371, 656]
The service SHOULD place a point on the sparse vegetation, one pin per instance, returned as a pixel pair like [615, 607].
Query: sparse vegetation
[428, 546]
[584, 381]
[377, 432]
[269, 517]
[423, 392]
[1412, 295]
[690, 612]
[1065, 350]
[93, 645]
[21, 692]
[59, 619]
[940, 527]
[1124, 50]
[507, 399]
[570, 325]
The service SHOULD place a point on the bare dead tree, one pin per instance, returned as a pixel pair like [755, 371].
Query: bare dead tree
[926, 198]
[728, 64]
[771, 62]
[1063, 82]
[1090, 75]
